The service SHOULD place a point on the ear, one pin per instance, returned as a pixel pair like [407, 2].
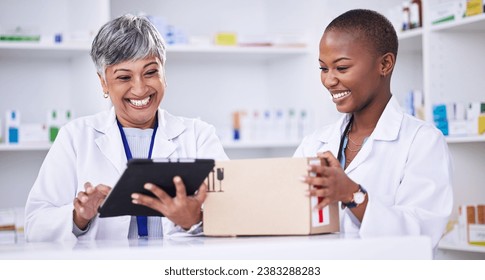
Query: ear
[387, 63]
[103, 83]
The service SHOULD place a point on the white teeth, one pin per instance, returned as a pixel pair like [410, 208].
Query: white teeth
[340, 94]
[140, 103]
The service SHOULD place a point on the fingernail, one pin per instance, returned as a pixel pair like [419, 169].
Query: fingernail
[134, 201]
[134, 196]
[177, 179]
[148, 186]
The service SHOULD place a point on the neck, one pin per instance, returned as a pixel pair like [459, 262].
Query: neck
[127, 124]
[366, 119]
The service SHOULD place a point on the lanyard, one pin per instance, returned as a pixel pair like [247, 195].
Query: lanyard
[342, 139]
[141, 221]
[125, 142]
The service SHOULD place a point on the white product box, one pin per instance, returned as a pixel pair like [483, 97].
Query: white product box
[33, 132]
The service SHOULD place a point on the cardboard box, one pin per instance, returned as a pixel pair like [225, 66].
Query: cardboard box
[264, 197]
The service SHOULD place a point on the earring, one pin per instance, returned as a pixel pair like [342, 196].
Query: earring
[106, 94]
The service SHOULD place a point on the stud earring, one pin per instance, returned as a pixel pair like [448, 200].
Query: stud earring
[106, 94]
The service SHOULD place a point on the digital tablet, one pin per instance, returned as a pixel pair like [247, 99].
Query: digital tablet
[156, 171]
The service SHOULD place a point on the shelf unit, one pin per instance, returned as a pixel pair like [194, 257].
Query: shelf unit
[446, 245]
[411, 40]
[472, 23]
[62, 50]
[453, 55]
[233, 144]
[41, 146]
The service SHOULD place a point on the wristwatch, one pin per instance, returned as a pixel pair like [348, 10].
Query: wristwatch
[358, 198]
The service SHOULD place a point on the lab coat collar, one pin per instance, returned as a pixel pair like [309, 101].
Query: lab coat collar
[331, 140]
[110, 144]
[387, 129]
[389, 124]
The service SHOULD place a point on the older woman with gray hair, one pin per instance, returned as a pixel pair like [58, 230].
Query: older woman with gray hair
[91, 152]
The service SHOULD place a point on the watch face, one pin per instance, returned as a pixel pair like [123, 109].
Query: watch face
[359, 197]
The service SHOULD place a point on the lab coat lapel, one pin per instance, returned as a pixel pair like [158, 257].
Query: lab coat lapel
[362, 155]
[387, 129]
[169, 127]
[110, 143]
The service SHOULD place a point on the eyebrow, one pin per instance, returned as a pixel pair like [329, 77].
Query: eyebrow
[145, 66]
[336, 60]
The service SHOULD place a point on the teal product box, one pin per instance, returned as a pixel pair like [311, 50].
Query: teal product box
[439, 112]
[443, 126]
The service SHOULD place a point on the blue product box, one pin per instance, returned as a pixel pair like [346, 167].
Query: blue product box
[443, 126]
[439, 112]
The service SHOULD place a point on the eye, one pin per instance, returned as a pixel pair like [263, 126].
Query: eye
[151, 72]
[123, 78]
[342, 68]
[324, 69]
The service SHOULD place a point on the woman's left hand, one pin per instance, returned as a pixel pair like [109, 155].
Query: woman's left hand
[183, 210]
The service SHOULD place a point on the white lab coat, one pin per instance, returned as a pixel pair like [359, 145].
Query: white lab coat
[90, 149]
[406, 169]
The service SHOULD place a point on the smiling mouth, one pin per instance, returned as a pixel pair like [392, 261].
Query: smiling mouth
[140, 102]
[340, 94]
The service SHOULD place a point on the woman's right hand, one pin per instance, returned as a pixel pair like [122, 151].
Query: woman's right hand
[87, 202]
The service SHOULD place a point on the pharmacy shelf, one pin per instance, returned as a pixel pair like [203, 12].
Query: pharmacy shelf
[411, 40]
[472, 23]
[228, 145]
[447, 245]
[40, 146]
[189, 52]
[465, 139]
[220, 53]
[260, 145]
[39, 50]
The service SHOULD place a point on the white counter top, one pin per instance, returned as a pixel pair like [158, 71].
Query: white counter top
[328, 246]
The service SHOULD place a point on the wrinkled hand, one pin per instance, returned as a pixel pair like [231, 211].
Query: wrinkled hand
[331, 183]
[87, 202]
[183, 210]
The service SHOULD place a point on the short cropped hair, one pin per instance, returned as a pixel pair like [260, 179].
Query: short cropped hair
[127, 37]
[373, 27]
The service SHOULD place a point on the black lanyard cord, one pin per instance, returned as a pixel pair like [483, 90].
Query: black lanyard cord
[342, 138]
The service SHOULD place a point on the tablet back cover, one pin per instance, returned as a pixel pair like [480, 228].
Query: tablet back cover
[161, 173]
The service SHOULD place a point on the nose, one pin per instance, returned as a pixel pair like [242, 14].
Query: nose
[138, 86]
[329, 79]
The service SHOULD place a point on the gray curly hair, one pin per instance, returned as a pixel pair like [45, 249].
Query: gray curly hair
[127, 37]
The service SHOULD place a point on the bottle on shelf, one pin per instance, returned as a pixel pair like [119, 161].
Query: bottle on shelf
[53, 123]
[12, 123]
[292, 126]
[406, 16]
[67, 116]
[416, 17]
[236, 126]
